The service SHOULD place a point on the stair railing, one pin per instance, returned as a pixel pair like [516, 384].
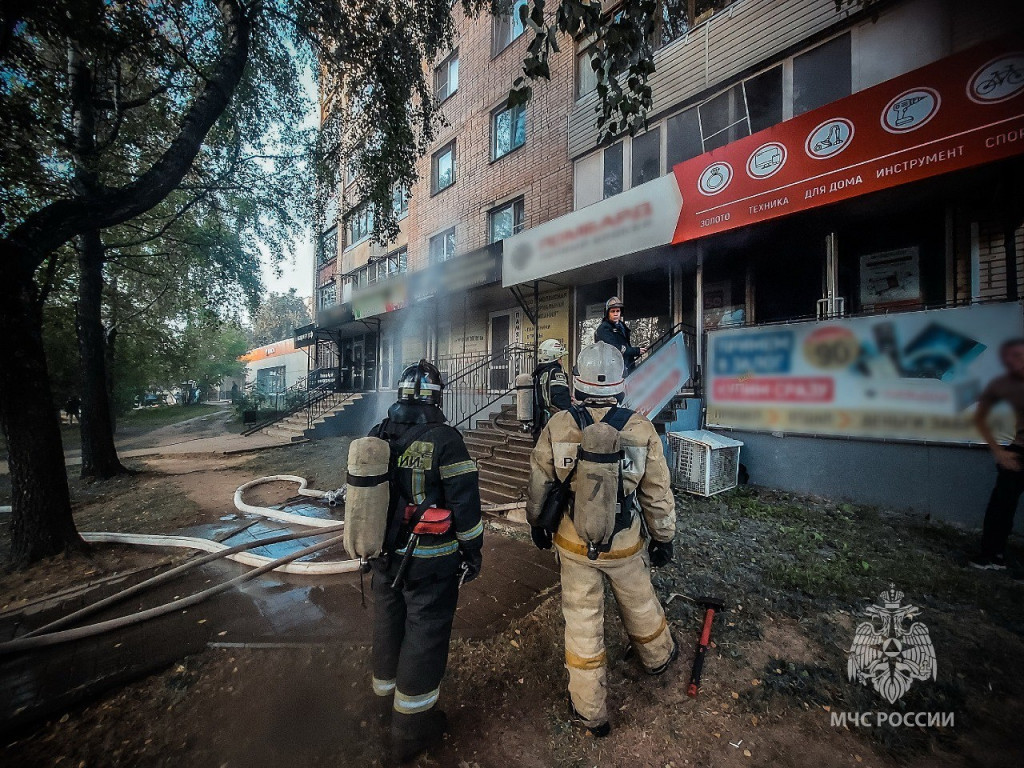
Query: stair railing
[306, 392]
[475, 382]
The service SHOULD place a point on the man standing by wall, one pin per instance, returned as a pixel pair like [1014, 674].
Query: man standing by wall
[644, 476]
[1002, 505]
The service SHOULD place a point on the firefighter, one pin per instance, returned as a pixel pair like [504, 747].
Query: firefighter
[414, 606]
[550, 385]
[613, 330]
[624, 560]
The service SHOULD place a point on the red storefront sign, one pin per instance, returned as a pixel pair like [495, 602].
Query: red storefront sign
[959, 112]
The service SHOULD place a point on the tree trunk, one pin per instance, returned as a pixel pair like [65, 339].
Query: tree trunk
[41, 525]
[99, 455]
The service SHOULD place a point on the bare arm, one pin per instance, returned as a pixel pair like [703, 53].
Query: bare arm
[1004, 458]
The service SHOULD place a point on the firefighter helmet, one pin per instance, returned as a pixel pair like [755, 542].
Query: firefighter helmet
[599, 371]
[550, 350]
[420, 383]
[611, 304]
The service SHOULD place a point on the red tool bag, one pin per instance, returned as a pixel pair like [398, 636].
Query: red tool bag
[435, 521]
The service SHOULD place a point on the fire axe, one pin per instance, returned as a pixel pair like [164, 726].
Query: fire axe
[711, 605]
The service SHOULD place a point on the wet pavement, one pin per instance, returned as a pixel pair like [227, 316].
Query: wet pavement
[274, 609]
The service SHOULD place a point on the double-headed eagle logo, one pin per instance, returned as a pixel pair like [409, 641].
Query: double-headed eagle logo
[888, 655]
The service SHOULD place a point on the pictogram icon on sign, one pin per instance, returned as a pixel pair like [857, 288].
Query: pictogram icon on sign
[829, 138]
[998, 80]
[766, 160]
[715, 178]
[910, 110]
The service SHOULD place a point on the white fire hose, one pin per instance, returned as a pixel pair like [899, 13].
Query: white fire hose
[51, 635]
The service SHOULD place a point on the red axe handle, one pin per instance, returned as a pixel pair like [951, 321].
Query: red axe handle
[698, 659]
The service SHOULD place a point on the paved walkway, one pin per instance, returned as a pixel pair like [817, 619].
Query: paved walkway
[203, 434]
[272, 610]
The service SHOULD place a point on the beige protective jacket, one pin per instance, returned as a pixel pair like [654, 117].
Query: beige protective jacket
[643, 469]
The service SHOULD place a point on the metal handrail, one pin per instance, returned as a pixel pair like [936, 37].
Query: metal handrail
[483, 380]
[312, 396]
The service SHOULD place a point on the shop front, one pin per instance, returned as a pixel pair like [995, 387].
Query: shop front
[859, 267]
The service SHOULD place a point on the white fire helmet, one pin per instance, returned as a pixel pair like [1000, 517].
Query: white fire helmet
[550, 350]
[599, 371]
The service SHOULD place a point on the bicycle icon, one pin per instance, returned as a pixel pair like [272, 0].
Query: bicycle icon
[998, 80]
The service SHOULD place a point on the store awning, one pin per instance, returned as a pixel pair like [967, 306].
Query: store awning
[956, 113]
[644, 217]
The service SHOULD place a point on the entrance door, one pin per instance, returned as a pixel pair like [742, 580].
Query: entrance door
[501, 339]
[358, 349]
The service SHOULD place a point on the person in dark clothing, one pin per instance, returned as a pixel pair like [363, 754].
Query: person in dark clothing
[550, 385]
[1002, 505]
[430, 466]
[614, 331]
[73, 408]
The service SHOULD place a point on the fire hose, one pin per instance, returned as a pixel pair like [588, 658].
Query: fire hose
[51, 634]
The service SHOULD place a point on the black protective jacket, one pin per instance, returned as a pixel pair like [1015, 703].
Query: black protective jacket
[617, 334]
[431, 463]
[550, 393]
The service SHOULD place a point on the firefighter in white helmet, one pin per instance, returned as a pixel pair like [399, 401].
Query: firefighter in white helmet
[636, 457]
[550, 385]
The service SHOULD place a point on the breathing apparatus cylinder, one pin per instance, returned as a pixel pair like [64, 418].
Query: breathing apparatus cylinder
[524, 397]
[597, 485]
[367, 497]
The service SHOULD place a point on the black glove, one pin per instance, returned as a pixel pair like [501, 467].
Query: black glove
[541, 537]
[660, 552]
[472, 560]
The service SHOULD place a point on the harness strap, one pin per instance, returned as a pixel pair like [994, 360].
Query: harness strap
[366, 481]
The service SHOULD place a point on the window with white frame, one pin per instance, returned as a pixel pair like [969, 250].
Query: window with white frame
[507, 27]
[508, 130]
[822, 75]
[442, 246]
[446, 76]
[442, 168]
[327, 248]
[506, 220]
[646, 156]
[360, 224]
[327, 295]
[400, 200]
[586, 77]
[614, 181]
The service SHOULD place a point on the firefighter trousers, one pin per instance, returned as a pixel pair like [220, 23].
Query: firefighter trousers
[411, 630]
[583, 608]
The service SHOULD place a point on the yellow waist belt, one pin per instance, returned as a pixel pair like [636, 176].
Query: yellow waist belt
[581, 549]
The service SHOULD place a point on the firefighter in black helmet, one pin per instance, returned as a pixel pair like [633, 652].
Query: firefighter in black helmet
[416, 582]
[613, 330]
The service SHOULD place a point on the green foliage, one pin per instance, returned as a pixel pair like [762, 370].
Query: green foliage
[279, 314]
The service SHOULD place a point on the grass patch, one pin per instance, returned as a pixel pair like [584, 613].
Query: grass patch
[151, 418]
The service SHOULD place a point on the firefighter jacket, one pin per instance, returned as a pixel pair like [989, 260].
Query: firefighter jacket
[550, 392]
[617, 334]
[435, 466]
[644, 470]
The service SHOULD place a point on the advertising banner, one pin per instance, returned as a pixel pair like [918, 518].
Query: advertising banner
[650, 387]
[913, 375]
[959, 112]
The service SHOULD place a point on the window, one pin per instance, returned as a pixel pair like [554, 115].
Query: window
[646, 156]
[683, 140]
[764, 99]
[586, 77]
[508, 130]
[396, 262]
[400, 200]
[822, 75]
[328, 246]
[360, 224]
[327, 295]
[442, 246]
[679, 16]
[442, 168]
[506, 220]
[351, 172]
[507, 27]
[613, 170]
[446, 77]
[724, 119]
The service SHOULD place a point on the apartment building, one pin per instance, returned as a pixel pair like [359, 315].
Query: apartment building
[492, 172]
[831, 201]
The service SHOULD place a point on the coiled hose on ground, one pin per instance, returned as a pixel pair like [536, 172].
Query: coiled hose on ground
[51, 634]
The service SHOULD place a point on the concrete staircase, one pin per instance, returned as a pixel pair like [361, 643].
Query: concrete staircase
[502, 453]
[295, 426]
